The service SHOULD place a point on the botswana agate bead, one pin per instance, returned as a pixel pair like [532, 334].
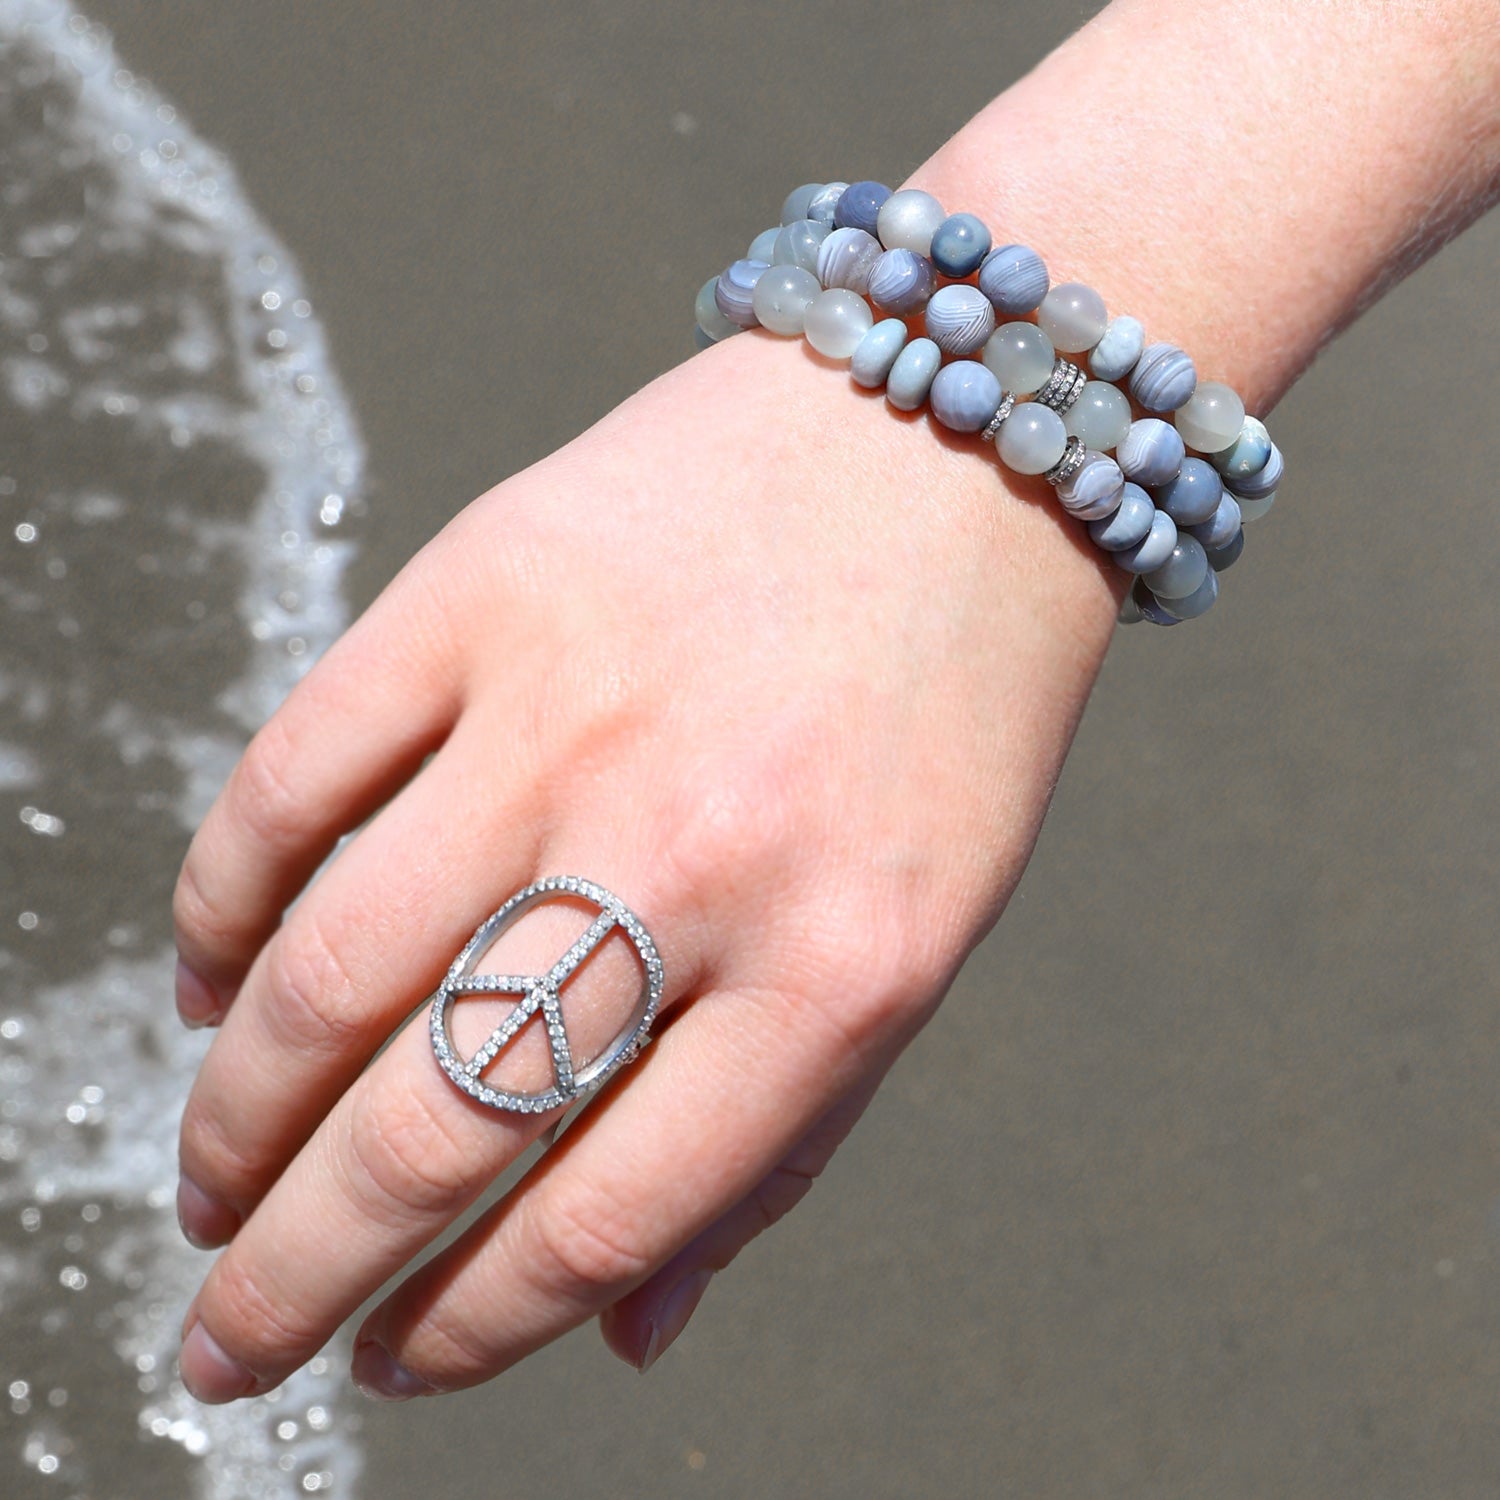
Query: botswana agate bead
[1094, 490]
[965, 395]
[1192, 495]
[712, 324]
[1181, 573]
[1164, 378]
[1114, 356]
[877, 351]
[960, 319]
[1014, 278]
[1221, 528]
[1153, 549]
[1130, 523]
[1152, 452]
[1263, 482]
[908, 220]
[797, 244]
[859, 206]
[901, 281]
[734, 292]
[846, 257]
[825, 203]
[911, 376]
[959, 244]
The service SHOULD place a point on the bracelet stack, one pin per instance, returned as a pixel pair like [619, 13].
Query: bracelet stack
[1164, 469]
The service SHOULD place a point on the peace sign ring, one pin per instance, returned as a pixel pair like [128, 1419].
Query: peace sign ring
[540, 992]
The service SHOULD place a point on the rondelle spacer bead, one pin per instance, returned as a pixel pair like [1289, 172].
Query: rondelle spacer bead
[1073, 459]
[1064, 386]
[1006, 407]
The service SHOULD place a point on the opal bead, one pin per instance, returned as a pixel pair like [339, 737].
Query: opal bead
[1151, 452]
[1021, 355]
[798, 201]
[1128, 525]
[846, 257]
[1211, 418]
[1163, 378]
[734, 292]
[1154, 550]
[1150, 606]
[836, 321]
[1199, 602]
[1253, 510]
[1181, 573]
[1032, 439]
[763, 246]
[859, 207]
[782, 296]
[872, 361]
[960, 319]
[1192, 496]
[965, 395]
[825, 203]
[959, 244]
[901, 281]
[1226, 557]
[1263, 482]
[1094, 489]
[1100, 417]
[1248, 454]
[908, 220]
[1114, 356]
[912, 375]
[712, 323]
[797, 244]
[1073, 317]
[1221, 528]
[1014, 278]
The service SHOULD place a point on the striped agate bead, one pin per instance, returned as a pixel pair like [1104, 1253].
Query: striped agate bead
[859, 206]
[846, 257]
[1014, 278]
[1152, 452]
[965, 395]
[1094, 489]
[960, 319]
[901, 281]
[1129, 523]
[1263, 482]
[1163, 378]
[734, 292]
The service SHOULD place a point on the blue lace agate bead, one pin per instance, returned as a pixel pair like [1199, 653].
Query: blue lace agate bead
[965, 395]
[860, 205]
[1014, 278]
[872, 360]
[1182, 571]
[1152, 452]
[824, 203]
[1129, 525]
[1154, 549]
[959, 244]
[912, 375]
[734, 292]
[712, 324]
[901, 281]
[1163, 379]
[1263, 482]
[1192, 495]
[1094, 489]
[960, 319]
[846, 259]
[1221, 528]
[1226, 557]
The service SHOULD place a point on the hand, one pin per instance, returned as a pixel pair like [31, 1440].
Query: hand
[792, 676]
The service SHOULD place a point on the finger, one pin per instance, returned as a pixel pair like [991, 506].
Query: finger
[350, 733]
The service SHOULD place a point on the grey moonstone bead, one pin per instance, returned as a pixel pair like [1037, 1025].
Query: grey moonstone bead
[1152, 452]
[1192, 496]
[1100, 417]
[702, 340]
[1221, 528]
[1253, 510]
[782, 297]
[1130, 523]
[860, 205]
[798, 201]
[960, 319]
[1094, 489]
[1022, 356]
[836, 322]
[908, 220]
[901, 281]
[846, 258]
[959, 244]
[1163, 379]
[1150, 606]
[872, 360]
[1154, 549]
[1014, 278]
[1182, 572]
[1247, 455]
[912, 375]
[1199, 602]
[734, 292]
[1223, 558]
[1211, 419]
[825, 202]
[1073, 316]
[1114, 356]
[1264, 482]
[797, 244]
[1032, 439]
[763, 246]
[965, 395]
[712, 324]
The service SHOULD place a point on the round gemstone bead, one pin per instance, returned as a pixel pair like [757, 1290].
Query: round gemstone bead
[734, 292]
[965, 395]
[782, 296]
[872, 361]
[797, 244]
[1263, 482]
[836, 321]
[1226, 557]
[1154, 549]
[1221, 528]
[912, 375]
[763, 246]
[798, 201]
[959, 244]
[1150, 606]
[1152, 452]
[1114, 356]
[1253, 510]
[1211, 418]
[1181, 573]
[1247, 455]
[1192, 496]
[711, 322]
[901, 281]
[825, 202]
[1032, 440]
[1163, 378]
[1199, 602]
[1094, 489]
[1100, 417]
[1130, 523]
[846, 257]
[1021, 355]
[1073, 316]
[859, 206]
[959, 319]
[908, 220]
[1014, 278]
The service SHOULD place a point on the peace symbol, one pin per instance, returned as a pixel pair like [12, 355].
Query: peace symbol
[540, 992]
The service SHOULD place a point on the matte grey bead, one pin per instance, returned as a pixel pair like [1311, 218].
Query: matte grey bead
[912, 375]
[1154, 550]
[1226, 557]
[1199, 602]
[1152, 452]
[782, 297]
[965, 395]
[763, 246]
[959, 244]
[1032, 440]
[1130, 523]
[734, 292]
[846, 257]
[1163, 378]
[797, 201]
[1253, 510]
[1114, 356]
[825, 203]
[1150, 606]
[1022, 356]
[1014, 279]
[877, 351]
[859, 207]
[908, 219]
[901, 281]
[960, 319]
[797, 244]
[1247, 455]
[1094, 490]
[1221, 528]
[1073, 316]
[1264, 482]
[712, 324]
[1192, 496]
[1181, 573]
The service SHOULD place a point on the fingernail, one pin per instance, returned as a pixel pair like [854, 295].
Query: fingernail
[381, 1377]
[208, 1372]
[206, 1223]
[671, 1317]
[197, 1004]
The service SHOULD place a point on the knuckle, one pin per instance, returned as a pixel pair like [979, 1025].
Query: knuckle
[209, 1154]
[311, 994]
[584, 1250]
[260, 795]
[778, 1194]
[452, 1350]
[250, 1320]
[405, 1158]
[198, 916]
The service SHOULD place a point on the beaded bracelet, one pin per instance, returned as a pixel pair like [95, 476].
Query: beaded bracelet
[1172, 517]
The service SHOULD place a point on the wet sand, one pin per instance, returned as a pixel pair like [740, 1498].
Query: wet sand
[1193, 1185]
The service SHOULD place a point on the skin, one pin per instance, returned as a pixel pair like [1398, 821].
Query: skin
[791, 673]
